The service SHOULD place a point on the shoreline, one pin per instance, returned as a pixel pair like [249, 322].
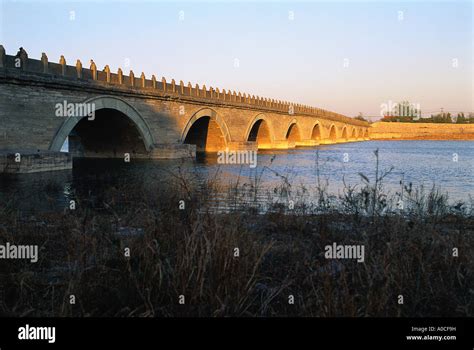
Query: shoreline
[393, 131]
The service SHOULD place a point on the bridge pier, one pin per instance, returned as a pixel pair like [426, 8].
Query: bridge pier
[242, 146]
[157, 151]
[281, 144]
[307, 143]
[24, 162]
[172, 151]
[32, 162]
[327, 142]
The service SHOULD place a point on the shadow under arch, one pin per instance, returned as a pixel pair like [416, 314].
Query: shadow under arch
[344, 136]
[293, 132]
[316, 131]
[332, 133]
[102, 103]
[205, 129]
[353, 133]
[260, 130]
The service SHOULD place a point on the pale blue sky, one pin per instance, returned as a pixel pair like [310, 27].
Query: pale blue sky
[300, 59]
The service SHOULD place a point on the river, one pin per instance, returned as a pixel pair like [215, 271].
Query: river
[447, 164]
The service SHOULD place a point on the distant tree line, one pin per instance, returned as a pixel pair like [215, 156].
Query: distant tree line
[361, 117]
[459, 118]
[408, 112]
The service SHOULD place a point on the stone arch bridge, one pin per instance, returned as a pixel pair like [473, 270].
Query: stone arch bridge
[105, 114]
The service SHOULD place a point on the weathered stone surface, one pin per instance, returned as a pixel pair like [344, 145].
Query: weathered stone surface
[165, 116]
[24, 162]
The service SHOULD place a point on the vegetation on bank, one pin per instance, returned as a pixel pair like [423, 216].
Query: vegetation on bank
[407, 112]
[408, 237]
[458, 118]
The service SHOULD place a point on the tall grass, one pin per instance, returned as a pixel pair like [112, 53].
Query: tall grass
[192, 252]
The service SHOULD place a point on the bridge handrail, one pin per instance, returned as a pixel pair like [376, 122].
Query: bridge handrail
[43, 66]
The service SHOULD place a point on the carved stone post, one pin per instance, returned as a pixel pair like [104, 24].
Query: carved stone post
[62, 62]
[44, 61]
[21, 59]
[79, 69]
[2, 56]
[163, 83]
[120, 76]
[93, 69]
[107, 73]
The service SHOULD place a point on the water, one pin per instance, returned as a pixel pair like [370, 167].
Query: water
[447, 164]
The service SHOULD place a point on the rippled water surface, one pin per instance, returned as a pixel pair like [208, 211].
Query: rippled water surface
[448, 164]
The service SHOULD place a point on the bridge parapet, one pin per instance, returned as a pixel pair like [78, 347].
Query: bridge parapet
[21, 62]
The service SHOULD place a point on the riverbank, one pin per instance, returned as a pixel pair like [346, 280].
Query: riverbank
[150, 252]
[420, 131]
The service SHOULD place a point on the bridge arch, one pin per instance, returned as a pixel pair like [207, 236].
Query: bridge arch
[316, 131]
[207, 130]
[293, 133]
[344, 133]
[332, 136]
[102, 103]
[353, 134]
[361, 133]
[261, 131]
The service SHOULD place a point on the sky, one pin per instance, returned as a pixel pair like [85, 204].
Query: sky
[350, 57]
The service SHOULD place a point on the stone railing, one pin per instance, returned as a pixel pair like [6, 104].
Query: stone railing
[21, 61]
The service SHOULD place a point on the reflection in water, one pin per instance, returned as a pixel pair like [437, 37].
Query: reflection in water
[419, 162]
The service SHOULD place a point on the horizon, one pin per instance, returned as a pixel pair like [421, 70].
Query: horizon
[270, 51]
